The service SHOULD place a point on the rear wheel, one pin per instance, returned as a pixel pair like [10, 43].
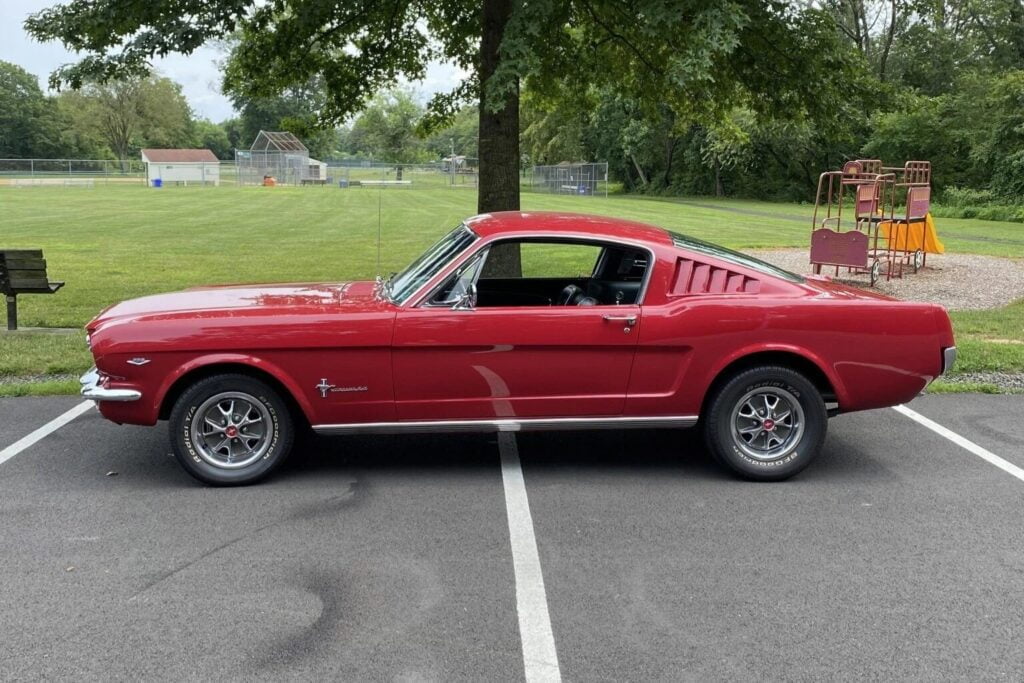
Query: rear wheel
[230, 430]
[766, 423]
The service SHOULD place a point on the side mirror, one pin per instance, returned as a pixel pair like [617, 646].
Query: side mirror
[466, 302]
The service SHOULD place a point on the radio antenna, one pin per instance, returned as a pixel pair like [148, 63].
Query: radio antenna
[380, 200]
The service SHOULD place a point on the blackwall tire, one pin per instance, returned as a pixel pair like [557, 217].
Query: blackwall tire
[231, 430]
[766, 424]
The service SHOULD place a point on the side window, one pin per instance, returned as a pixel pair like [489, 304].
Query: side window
[553, 260]
[553, 274]
[624, 265]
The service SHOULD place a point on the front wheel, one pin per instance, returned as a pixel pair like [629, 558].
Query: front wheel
[766, 423]
[230, 430]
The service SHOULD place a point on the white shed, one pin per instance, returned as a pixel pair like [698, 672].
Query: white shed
[181, 166]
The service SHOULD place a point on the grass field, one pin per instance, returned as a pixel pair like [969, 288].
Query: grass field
[116, 242]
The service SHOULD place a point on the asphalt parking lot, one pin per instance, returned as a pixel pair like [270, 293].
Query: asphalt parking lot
[898, 554]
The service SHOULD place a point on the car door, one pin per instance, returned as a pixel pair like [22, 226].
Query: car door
[526, 361]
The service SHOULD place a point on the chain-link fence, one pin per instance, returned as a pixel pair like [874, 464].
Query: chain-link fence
[254, 167]
[251, 168]
[586, 179]
[420, 176]
[70, 172]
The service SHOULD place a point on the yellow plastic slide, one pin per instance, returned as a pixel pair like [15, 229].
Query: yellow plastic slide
[919, 236]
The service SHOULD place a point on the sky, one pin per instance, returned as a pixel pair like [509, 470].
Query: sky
[197, 73]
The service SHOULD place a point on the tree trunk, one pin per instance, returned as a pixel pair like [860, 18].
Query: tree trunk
[670, 150]
[719, 190]
[639, 170]
[498, 185]
[890, 34]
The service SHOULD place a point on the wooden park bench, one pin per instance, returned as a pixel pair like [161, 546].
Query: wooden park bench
[23, 271]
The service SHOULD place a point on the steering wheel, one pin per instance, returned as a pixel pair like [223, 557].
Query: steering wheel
[568, 294]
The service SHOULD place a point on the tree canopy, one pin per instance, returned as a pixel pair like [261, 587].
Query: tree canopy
[696, 59]
[30, 124]
[132, 113]
[742, 97]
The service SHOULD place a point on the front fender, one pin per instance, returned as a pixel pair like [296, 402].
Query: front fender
[248, 360]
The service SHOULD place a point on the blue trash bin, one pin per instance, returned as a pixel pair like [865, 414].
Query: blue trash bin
[158, 182]
[343, 182]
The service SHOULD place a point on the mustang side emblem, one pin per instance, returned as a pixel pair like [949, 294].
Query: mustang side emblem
[137, 361]
[325, 387]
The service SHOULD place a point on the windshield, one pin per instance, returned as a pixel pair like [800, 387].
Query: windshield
[403, 285]
[700, 246]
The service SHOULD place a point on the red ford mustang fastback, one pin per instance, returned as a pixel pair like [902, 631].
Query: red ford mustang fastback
[610, 325]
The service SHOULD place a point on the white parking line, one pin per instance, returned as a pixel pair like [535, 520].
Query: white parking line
[540, 660]
[44, 431]
[967, 444]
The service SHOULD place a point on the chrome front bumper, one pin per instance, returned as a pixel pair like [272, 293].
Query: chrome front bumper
[92, 390]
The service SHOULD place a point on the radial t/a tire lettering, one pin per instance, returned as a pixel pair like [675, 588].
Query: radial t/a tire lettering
[766, 423]
[230, 430]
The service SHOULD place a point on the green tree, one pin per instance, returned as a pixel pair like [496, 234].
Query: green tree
[461, 135]
[386, 129]
[233, 129]
[923, 128]
[697, 58]
[214, 137]
[30, 122]
[130, 114]
[553, 132]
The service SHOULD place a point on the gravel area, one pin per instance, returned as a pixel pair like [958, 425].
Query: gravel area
[1007, 381]
[11, 380]
[957, 281]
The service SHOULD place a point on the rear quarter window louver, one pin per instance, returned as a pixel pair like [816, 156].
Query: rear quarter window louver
[694, 277]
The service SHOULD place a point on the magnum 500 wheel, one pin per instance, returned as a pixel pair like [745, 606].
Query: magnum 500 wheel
[766, 423]
[230, 430]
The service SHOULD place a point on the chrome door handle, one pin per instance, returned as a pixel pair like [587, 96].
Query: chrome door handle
[630, 320]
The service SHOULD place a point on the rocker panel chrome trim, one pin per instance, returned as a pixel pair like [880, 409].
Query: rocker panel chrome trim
[508, 425]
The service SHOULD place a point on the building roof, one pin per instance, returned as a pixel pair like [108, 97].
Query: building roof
[277, 141]
[179, 156]
[550, 222]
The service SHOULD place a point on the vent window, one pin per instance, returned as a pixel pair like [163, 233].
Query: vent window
[694, 277]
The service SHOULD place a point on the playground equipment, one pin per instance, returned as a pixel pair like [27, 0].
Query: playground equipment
[877, 233]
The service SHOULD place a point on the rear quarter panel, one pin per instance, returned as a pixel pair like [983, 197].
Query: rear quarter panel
[874, 353]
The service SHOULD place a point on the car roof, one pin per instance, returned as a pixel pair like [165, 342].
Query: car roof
[553, 222]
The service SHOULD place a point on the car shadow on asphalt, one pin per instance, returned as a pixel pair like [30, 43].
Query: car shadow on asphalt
[669, 453]
[664, 452]
[678, 451]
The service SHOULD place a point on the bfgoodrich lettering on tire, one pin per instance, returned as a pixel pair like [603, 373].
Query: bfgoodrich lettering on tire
[766, 423]
[230, 430]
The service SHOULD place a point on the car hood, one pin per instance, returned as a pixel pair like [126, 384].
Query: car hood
[246, 300]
